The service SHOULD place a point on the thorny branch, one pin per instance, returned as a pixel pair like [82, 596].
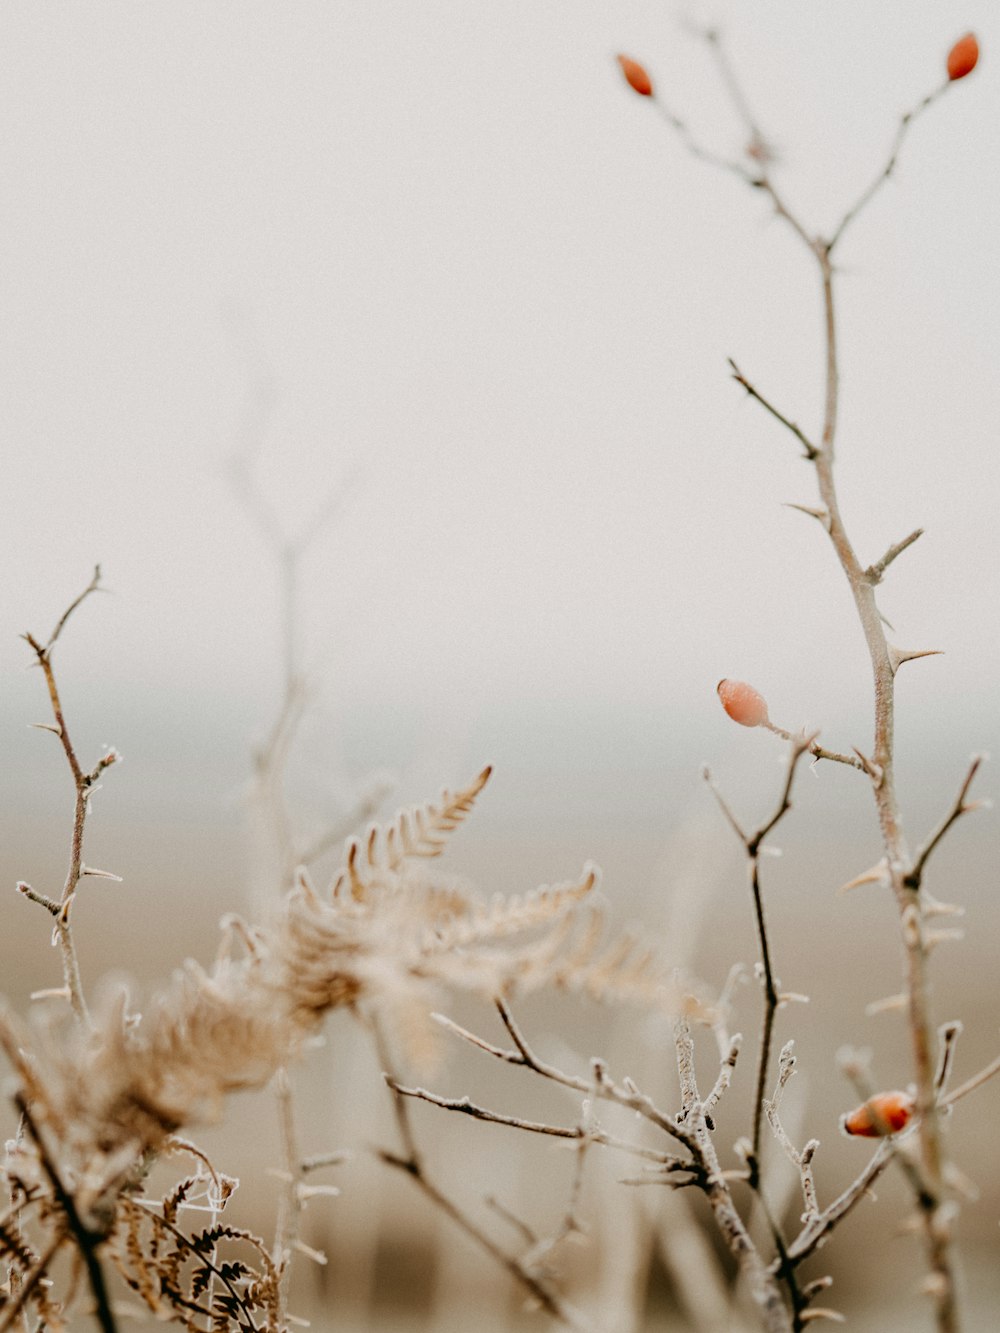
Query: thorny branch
[693, 1128]
[903, 871]
[85, 783]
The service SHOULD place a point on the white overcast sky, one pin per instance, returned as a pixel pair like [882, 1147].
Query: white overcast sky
[494, 291]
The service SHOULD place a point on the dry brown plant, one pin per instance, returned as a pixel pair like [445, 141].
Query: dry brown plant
[102, 1098]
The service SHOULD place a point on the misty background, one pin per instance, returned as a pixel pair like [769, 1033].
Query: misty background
[438, 258]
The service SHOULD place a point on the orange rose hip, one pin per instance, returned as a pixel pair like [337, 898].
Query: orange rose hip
[885, 1113]
[963, 57]
[742, 702]
[635, 76]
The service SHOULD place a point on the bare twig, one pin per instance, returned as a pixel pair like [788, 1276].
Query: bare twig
[763, 1288]
[574, 1132]
[904, 125]
[912, 879]
[605, 1088]
[802, 1161]
[807, 444]
[818, 1229]
[411, 1162]
[84, 782]
[875, 571]
[752, 843]
[816, 750]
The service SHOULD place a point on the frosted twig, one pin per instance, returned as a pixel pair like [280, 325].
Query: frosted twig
[802, 1161]
[411, 1162]
[875, 571]
[84, 783]
[464, 1106]
[960, 807]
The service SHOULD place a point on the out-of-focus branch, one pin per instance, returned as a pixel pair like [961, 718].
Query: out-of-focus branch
[905, 123]
[86, 1237]
[810, 450]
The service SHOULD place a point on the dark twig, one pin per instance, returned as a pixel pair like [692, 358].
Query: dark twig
[810, 449]
[753, 843]
[86, 1237]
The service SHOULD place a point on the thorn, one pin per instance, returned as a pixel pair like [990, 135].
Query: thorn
[959, 1182]
[53, 993]
[931, 907]
[932, 938]
[317, 1256]
[47, 726]
[876, 874]
[890, 1004]
[873, 770]
[821, 514]
[897, 656]
[99, 874]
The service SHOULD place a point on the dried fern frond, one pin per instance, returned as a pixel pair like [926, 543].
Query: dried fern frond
[392, 937]
[419, 833]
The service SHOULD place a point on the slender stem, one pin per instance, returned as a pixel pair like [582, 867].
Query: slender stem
[290, 1203]
[411, 1162]
[83, 783]
[767, 1023]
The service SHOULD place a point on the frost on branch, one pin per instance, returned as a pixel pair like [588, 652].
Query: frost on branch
[387, 940]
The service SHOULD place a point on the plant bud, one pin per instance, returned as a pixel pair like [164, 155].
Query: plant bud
[962, 58]
[639, 81]
[885, 1113]
[742, 702]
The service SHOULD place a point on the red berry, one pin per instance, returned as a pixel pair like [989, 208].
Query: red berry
[963, 57]
[742, 702]
[885, 1113]
[636, 77]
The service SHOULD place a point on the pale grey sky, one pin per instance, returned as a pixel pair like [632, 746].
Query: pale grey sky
[489, 281]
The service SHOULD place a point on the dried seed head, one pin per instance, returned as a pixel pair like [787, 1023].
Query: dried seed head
[963, 57]
[637, 78]
[885, 1113]
[742, 702]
